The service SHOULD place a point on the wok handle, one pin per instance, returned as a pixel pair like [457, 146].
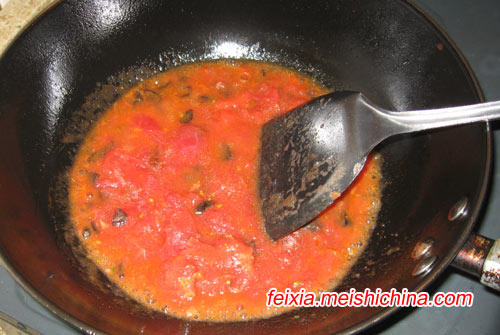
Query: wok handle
[480, 257]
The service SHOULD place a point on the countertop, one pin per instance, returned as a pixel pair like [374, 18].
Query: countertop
[14, 15]
[475, 27]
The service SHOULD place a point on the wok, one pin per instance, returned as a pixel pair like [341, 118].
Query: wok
[73, 62]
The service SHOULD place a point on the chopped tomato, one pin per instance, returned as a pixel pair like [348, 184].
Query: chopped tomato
[163, 195]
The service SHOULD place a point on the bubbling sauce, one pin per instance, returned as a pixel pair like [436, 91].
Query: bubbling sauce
[163, 195]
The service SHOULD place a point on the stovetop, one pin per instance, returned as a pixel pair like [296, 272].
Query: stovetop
[475, 27]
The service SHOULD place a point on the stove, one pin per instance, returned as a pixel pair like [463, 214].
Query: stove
[475, 28]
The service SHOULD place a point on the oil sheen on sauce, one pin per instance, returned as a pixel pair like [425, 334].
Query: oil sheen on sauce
[163, 195]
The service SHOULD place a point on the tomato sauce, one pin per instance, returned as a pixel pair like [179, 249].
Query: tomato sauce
[163, 195]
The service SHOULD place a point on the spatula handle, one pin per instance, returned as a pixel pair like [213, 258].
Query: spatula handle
[444, 117]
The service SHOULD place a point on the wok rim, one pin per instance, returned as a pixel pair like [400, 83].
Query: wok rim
[385, 312]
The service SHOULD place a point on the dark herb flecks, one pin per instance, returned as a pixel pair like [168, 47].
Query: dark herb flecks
[146, 94]
[165, 85]
[138, 97]
[152, 92]
[154, 159]
[202, 206]
[120, 218]
[203, 99]
[94, 226]
[100, 153]
[346, 221]
[186, 91]
[256, 250]
[93, 176]
[187, 116]
[227, 154]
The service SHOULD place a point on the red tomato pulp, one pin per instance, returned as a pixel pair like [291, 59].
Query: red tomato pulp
[163, 195]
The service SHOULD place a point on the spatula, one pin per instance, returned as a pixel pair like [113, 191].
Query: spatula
[312, 154]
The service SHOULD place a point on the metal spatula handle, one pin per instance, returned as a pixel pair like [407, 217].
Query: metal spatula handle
[443, 117]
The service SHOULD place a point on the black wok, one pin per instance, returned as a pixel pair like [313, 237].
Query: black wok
[72, 63]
